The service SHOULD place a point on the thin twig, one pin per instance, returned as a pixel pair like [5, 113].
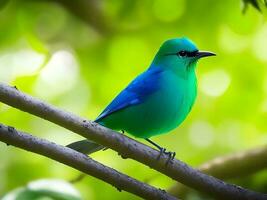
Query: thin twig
[126, 146]
[80, 162]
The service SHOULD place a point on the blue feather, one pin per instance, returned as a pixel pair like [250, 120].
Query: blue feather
[135, 93]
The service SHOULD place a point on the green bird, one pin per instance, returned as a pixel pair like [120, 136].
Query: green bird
[156, 101]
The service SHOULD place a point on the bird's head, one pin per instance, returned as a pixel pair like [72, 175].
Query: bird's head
[179, 54]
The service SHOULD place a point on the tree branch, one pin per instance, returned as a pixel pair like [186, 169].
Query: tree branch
[80, 162]
[89, 11]
[237, 164]
[126, 146]
[230, 166]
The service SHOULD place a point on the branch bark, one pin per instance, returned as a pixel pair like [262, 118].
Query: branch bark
[80, 162]
[126, 146]
[230, 166]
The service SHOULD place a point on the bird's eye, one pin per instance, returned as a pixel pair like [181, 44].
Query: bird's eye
[182, 53]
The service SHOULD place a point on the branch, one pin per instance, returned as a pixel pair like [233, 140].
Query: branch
[80, 162]
[126, 146]
[89, 11]
[236, 165]
[230, 166]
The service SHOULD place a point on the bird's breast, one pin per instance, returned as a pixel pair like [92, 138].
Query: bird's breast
[176, 99]
[161, 111]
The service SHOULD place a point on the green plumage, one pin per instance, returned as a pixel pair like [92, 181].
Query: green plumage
[158, 100]
[161, 112]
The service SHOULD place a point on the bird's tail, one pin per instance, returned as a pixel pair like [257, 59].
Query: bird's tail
[85, 146]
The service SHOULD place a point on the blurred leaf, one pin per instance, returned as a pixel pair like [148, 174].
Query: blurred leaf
[3, 3]
[254, 3]
[44, 189]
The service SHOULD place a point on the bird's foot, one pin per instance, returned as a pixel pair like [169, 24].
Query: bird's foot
[162, 150]
[170, 154]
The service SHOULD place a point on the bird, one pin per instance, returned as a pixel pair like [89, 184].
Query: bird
[158, 100]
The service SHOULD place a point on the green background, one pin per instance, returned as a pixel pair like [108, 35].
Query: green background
[79, 62]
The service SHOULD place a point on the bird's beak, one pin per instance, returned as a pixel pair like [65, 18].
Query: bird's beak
[201, 54]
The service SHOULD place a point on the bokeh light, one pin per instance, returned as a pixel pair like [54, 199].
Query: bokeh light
[201, 134]
[19, 63]
[260, 43]
[215, 82]
[59, 75]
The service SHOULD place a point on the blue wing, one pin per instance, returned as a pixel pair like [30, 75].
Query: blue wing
[135, 93]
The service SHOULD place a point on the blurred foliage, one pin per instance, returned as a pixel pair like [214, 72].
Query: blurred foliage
[44, 189]
[255, 3]
[69, 60]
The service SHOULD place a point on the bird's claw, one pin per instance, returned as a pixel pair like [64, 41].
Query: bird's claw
[170, 154]
[161, 151]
